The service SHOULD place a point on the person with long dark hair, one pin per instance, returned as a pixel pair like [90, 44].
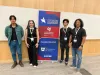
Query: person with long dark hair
[32, 42]
[65, 33]
[77, 38]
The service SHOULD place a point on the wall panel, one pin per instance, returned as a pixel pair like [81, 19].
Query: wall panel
[26, 3]
[68, 5]
[97, 7]
[1, 2]
[79, 6]
[91, 48]
[89, 6]
[11, 2]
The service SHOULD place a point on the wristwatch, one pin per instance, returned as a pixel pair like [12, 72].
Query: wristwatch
[81, 45]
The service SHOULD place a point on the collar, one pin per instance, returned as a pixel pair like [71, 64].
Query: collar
[32, 28]
[11, 25]
[78, 28]
[66, 27]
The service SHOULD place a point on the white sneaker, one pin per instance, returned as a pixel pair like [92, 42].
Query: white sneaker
[30, 64]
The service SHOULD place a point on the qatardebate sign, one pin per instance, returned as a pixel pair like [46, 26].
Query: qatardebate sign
[49, 32]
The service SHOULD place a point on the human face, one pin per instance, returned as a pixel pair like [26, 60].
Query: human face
[65, 23]
[13, 21]
[31, 24]
[78, 24]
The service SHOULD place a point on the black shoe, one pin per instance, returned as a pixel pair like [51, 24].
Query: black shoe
[61, 61]
[14, 65]
[21, 64]
[66, 63]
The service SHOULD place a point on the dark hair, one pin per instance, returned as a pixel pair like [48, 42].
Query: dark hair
[29, 22]
[82, 24]
[65, 20]
[12, 16]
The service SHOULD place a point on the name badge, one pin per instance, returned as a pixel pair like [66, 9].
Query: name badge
[32, 39]
[75, 40]
[65, 38]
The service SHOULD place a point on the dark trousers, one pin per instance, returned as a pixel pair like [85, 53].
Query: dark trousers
[32, 53]
[63, 48]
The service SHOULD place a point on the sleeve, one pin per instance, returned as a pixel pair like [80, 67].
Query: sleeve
[6, 32]
[60, 33]
[70, 31]
[22, 32]
[84, 33]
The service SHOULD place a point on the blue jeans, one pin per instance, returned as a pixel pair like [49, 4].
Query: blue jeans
[15, 47]
[77, 54]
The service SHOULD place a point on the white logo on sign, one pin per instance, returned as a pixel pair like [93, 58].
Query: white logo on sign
[42, 48]
[43, 20]
[49, 29]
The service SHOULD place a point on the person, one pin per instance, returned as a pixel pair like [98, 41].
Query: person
[32, 42]
[65, 33]
[77, 38]
[14, 33]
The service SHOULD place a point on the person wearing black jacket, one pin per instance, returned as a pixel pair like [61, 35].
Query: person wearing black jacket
[65, 33]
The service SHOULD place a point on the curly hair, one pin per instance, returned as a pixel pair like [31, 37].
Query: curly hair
[81, 25]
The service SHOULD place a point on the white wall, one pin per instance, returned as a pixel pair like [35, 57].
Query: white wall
[22, 14]
[91, 22]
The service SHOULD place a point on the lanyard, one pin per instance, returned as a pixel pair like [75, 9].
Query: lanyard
[65, 30]
[76, 31]
[31, 30]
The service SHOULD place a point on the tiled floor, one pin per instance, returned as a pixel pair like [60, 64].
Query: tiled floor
[90, 64]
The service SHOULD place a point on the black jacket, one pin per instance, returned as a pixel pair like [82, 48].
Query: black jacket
[62, 35]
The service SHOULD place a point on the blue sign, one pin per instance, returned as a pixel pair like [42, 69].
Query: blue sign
[49, 22]
[48, 49]
[47, 18]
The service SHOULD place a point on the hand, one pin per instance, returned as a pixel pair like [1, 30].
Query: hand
[80, 48]
[37, 45]
[27, 45]
[69, 45]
